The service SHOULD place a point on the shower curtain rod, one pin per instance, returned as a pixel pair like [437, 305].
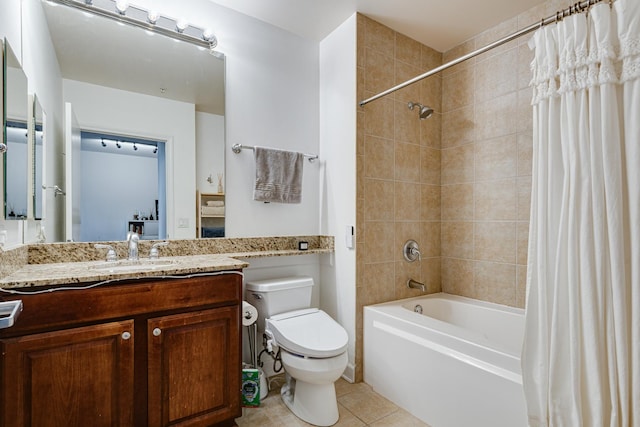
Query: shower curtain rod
[578, 7]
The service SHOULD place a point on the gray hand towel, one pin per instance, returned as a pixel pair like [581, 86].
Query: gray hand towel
[278, 176]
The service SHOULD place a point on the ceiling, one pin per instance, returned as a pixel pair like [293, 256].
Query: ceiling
[440, 24]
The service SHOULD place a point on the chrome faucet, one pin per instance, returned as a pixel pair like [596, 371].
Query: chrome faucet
[132, 240]
[416, 285]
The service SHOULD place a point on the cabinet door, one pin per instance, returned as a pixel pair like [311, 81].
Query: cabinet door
[194, 368]
[72, 377]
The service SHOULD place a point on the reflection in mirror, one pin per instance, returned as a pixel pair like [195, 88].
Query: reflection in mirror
[15, 162]
[36, 140]
[125, 82]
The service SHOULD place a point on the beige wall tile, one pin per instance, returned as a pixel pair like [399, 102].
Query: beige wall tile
[431, 274]
[407, 127]
[457, 240]
[521, 286]
[525, 154]
[495, 117]
[410, 230]
[405, 271]
[497, 32]
[360, 117]
[360, 235]
[378, 283]
[378, 157]
[430, 241]
[525, 110]
[524, 198]
[379, 118]
[407, 162]
[455, 53]
[495, 76]
[379, 37]
[458, 164]
[496, 282]
[408, 50]
[360, 83]
[404, 72]
[360, 178]
[379, 71]
[407, 201]
[430, 159]
[457, 277]
[430, 131]
[431, 93]
[458, 127]
[431, 205]
[495, 241]
[378, 246]
[496, 158]
[458, 89]
[457, 202]
[522, 242]
[431, 58]
[379, 200]
[496, 200]
[525, 57]
[361, 23]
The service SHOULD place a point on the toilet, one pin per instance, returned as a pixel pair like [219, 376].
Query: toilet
[313, 346]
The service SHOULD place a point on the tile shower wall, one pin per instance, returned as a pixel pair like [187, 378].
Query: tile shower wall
[486, 169]
[468, 168]
[398, 170]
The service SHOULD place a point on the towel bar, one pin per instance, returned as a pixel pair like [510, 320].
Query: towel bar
[237, 148]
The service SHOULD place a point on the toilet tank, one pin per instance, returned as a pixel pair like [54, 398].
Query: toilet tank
[275, 296]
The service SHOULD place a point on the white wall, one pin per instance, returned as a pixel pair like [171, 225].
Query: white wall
[271, 100]
[99, 108]
[338, 176]
[113, 186]
[210, 151]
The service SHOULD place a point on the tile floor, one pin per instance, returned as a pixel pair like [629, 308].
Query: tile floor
[358, 404]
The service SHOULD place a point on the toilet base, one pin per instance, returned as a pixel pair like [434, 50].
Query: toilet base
[312, 403]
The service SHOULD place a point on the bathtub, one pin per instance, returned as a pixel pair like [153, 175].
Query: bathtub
[455, 365]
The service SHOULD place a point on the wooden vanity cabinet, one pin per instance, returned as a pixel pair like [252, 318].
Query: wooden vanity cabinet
[141, 353]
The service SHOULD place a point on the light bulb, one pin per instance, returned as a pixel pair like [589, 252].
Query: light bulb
[153, 16]
[181, 25]
[122, 6]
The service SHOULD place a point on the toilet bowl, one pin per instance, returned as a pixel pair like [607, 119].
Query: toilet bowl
[313, 353]
[312, 346]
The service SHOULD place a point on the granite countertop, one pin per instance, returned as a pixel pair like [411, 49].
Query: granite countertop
[42, 264]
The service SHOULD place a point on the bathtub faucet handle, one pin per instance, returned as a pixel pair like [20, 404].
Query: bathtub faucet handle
[412, 284]
[411, 251]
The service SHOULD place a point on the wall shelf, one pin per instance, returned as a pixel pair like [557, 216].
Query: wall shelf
[210, 219]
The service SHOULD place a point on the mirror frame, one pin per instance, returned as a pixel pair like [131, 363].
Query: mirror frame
[36, 191]
[5, 119]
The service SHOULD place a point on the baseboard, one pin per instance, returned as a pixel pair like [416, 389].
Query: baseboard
[349, 373]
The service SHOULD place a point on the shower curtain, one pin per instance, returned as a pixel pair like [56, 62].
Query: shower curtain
[581, 353]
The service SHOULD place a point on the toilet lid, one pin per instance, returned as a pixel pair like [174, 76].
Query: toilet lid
[310, 332]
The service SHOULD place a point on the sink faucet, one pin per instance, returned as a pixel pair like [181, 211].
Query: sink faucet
[132, 240]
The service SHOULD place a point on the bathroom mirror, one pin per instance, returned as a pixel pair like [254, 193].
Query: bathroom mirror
[15, 159]
[36, 158]
[133, 85]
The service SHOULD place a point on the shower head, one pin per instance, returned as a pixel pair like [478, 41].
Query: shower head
[424, 111]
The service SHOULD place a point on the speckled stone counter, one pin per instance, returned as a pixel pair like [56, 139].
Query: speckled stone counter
[50, 264]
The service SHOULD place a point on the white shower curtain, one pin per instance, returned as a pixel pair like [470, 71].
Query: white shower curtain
[581, 353]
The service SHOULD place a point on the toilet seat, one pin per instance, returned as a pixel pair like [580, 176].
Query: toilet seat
[309, 332]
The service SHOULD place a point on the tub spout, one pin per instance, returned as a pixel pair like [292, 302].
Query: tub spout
[416, 285]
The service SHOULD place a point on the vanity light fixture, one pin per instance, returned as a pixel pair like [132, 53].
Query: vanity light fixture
[118, 144]
[125, 13]
[152, 17]
[122, 6]
[181, 25]
[155, 150]
[135, 147]
[104, 144]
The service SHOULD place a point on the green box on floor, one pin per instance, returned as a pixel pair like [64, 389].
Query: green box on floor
[250, 387]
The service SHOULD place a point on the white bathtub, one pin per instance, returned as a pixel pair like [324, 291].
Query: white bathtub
[455, 365]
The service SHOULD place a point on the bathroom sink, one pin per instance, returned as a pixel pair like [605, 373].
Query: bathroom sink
[126, 265]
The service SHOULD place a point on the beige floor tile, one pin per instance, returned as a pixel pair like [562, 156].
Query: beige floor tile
[367, 405]
[400, 418]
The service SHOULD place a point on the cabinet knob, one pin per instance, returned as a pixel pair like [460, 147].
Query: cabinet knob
[157, 332]
[126, 335]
